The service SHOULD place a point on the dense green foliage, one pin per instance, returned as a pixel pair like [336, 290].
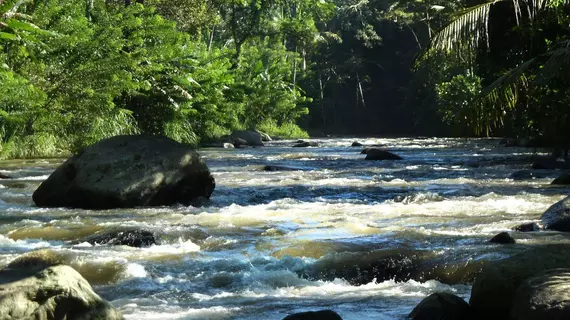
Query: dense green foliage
[73, 72]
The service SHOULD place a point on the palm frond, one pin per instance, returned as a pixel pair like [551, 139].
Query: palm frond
[503, 92]
[557, 65]
[470, 27]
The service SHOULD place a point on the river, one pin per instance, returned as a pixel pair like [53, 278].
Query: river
[367, 239]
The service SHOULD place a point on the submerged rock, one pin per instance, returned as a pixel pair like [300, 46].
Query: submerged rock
[128, 171]
[550, 164]
[378, 154]
[544, 296]
[527, 227]
[56, 292]
[132, 238]
[503, 238]
[494, 290]
[306, 144]
[563, 180]
[356, 144]
[314, 315]
[557, 217]
[441, 306]
[250, 138]
[280, 168]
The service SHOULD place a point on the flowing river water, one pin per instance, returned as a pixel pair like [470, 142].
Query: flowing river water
[368, 239]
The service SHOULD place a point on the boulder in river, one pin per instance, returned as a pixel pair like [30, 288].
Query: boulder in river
[527, 227]
[494, 290]
[543, 296]
[314, 315]
[251, 138]
[306, 144]
[280, 168]
[550, 164]
[356, 144]
[557, 217]
[55, 292]
[563, 180]
[379, 154]
[502, 238]
[128, 171]
[441, 306]
[4, 176]
[132, 238]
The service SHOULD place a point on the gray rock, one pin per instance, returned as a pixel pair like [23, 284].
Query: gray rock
[228, 145]
[527, 227]
[264, 136]
[4, 176]
[557, 217]
[56, 292]
[441, 306]
[132, 238]
[314, 315]
[378, 154]
[563, 180]
[544, 296]
[494, 290]
[239, 142]
[356, 144]
[306, 144]
[252, 138]
[128, 171]
[503, 238]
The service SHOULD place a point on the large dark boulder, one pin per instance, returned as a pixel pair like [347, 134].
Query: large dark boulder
[563, 180]
[441, 306]
[50, 292]
[132, 238]
[314, 315]
[502, 238]
[544, 296]
[4, 176]
[557, 217]
[252, 138]
[128, 171]
[494, 290]
[379, 154]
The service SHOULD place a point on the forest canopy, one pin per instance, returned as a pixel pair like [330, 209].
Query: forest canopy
[73, 72]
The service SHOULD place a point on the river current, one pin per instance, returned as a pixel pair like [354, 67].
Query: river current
[367, 239]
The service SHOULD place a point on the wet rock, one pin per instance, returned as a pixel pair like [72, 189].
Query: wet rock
[131, 238]
[503, 238]
[365, 151]
[494, 290]
[306, 144]
[562, 180]
[356, 144]
[239, 142]
[543, 296]
[128, 171]
[527, 227]
[56, 292]
[378, 154]
[397, 264]
[280, 168]
[314, 315]
[4, 176]
[441, 306]
[264, 136]
[527, 175]
[557, 217]
[550, 164]
[251, 138]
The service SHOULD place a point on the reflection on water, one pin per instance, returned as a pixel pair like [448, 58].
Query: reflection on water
[367, 239]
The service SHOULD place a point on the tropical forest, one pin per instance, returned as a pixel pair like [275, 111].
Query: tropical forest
[284, 159]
